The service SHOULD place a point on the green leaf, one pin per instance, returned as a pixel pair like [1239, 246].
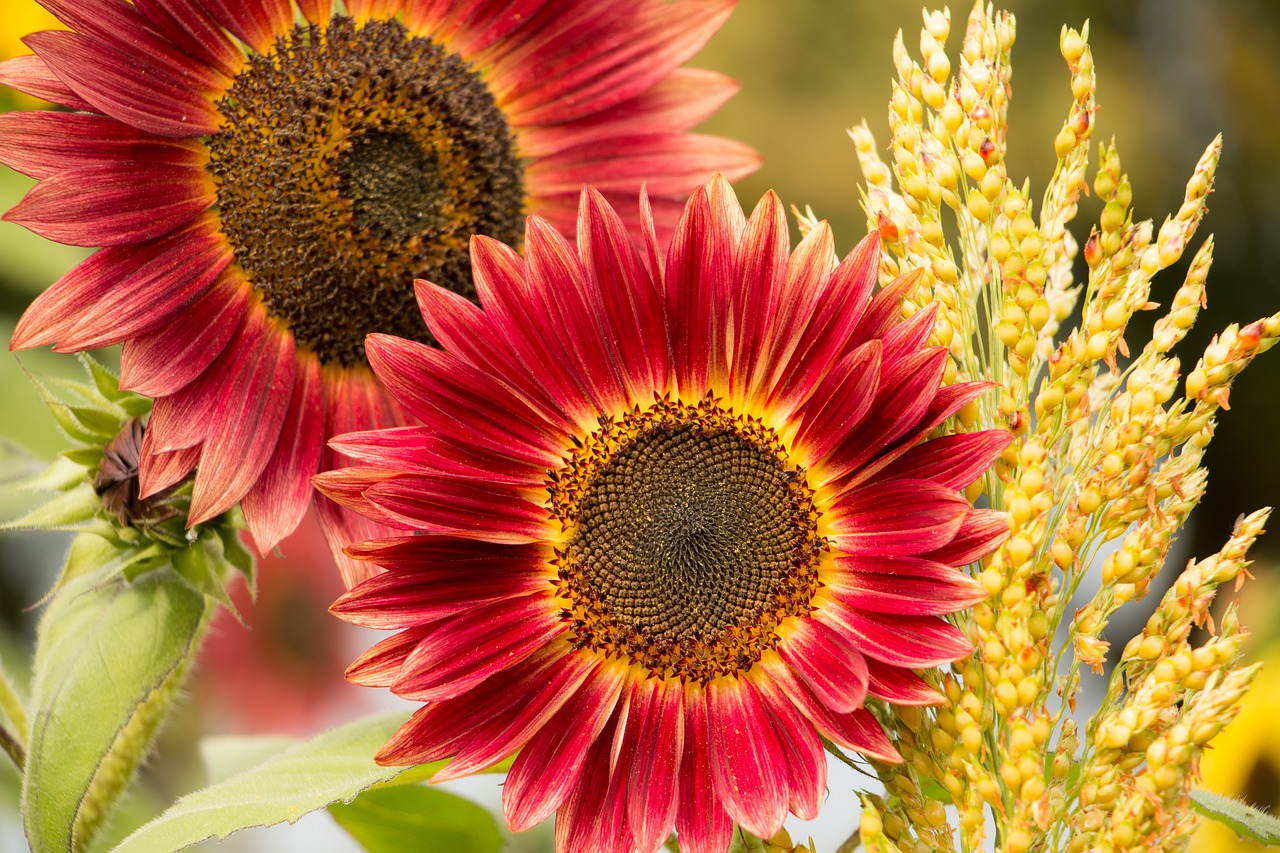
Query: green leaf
[1242, 819]
[414, 817]
[226, 755]
[331, 768]
[110, 657]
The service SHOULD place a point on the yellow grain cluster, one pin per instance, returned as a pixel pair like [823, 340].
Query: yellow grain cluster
[1105, 469]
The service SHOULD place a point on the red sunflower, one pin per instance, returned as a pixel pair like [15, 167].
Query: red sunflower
[268, 177]
[669, 519]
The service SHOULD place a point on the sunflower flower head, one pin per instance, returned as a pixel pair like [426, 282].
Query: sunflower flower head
[670, 516]
[267, 178]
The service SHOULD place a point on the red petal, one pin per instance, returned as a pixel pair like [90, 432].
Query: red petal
[190, 28]
[139, 276]
[437, 387]
[163, 470]
[353, 400]
[907, 389]
[116, 204]
[855, 730]
[123, 28]
[163, 361]
[380, 665]
[828, 663]
[839, 404]
[256, 22]
[465, 330]
[699, 269]
[42, 144]
[982, 531]
[702, 825]
[30, 75]
[903, 585]
[470, 647]
[619, 282]
[543, 688]
[683, 99]
[276, 503]
[806, 759]
[907, 641]
[669, 164]
[897, 518]
[953, 461]
[493, 512]
[819, 320]
[468, 26]
[656, 713]
[747, 761]
[550, 765]
[580, 820]
[246, 426]
[394, 600]
[129, 88]
[760, 273]
[900, 686]
[443, 556]
[617, 64]
[557, 276]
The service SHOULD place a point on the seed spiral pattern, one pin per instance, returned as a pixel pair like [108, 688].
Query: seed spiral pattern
[692, 539]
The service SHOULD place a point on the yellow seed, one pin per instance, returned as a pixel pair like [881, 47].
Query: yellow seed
[1012, 778]
[979, 206]
[1020, 741]
[1097, 346]
[1114, 736]
[1065, 142]
[1090, 500]
[1151, 648]
[1114, 317]
[1197, 381]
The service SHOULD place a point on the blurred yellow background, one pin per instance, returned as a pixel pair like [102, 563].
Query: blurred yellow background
[1171, 74]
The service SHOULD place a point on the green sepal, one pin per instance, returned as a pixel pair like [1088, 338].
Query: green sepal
[104, 380]
[110, 658]
[70, 425]
[238, 556]
[415, 817]
[99, 425]
[74, 510]
[330, 768]
[745, 842]
[58, 476]
[1241, 818]
[205, 569]
[17, 464]
[86, 457]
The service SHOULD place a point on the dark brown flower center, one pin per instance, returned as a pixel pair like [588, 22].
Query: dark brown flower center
[692, 539]
[352, 160]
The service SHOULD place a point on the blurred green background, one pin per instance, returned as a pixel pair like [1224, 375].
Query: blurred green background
[1171, 74]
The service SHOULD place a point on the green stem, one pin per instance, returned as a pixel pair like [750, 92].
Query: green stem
[13, 748]
[13, 712]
